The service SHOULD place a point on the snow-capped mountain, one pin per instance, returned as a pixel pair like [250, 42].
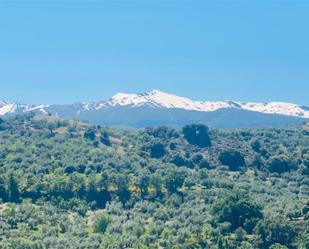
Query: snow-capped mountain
[157, 108]
[158, 99]
[12, 108]
[6, 107]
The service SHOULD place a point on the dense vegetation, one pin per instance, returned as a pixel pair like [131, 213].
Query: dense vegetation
[67, 184]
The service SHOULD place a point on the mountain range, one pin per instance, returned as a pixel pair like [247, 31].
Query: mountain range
[159, 108]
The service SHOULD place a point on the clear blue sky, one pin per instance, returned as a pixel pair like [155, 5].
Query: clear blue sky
[64, 52]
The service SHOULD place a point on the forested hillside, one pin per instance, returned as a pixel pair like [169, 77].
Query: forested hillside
[67, 184]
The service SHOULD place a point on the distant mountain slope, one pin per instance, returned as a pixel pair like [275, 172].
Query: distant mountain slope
[144, 116]
[159, 108]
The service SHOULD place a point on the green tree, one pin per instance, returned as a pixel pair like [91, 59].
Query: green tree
[101, 222]
[51, 126]
[280, 164]
[105, 139]
[21, 243]
[276, 231]
[238, 209]
[157, 150]
[197, 134]
[277, 246]
[3, 193]
[245, 245]
[175, 179]
[13, 189]
[90, 134]
[233, 159]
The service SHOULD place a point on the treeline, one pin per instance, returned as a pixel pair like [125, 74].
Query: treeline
[67, 184]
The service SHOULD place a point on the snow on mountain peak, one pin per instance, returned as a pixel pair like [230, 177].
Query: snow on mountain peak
[167, 100]
[126, 99]
[283, 108]
[120, 95]
[156, 98]
[6, 107]
[159, 99]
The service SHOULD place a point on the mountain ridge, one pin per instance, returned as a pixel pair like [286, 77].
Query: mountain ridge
[166, 107]
[161, 99]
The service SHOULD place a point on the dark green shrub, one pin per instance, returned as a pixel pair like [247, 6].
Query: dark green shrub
[275, 231]
[233, 159]
[101, 221]
[178, 160]
[280, 164]
[90, 134]
[197, 134]
[239, 210]
[157, 150]
[105, 139]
